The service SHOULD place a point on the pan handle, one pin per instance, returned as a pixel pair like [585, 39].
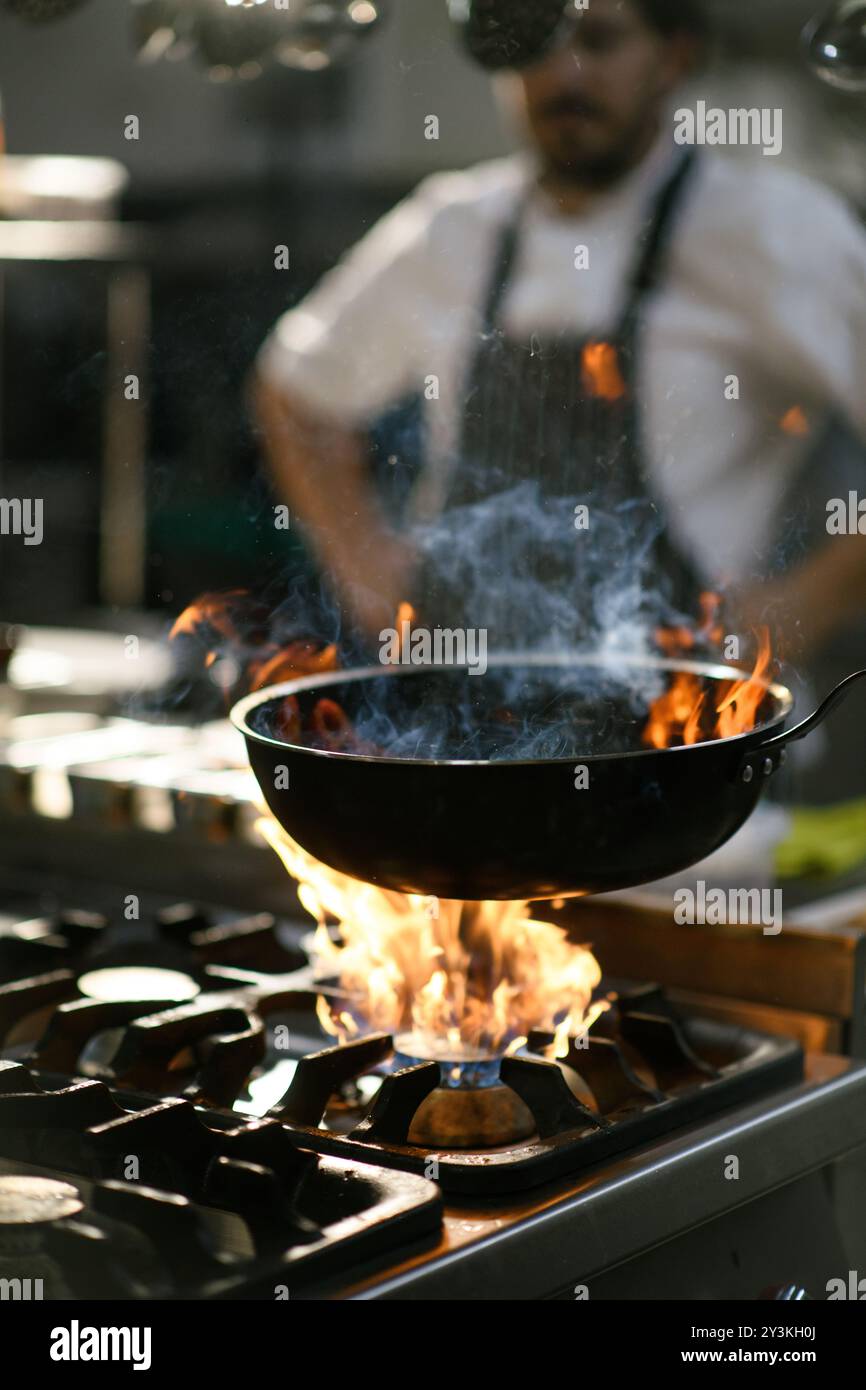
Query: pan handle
[764, 759]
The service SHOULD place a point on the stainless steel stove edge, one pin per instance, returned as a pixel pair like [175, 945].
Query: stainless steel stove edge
[650, 1197]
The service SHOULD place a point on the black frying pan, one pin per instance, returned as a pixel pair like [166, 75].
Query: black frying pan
[494, 826]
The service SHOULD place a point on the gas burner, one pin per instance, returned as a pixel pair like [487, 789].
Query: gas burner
[183, 937]
[461, 1068]
[124, 1011]
[645, 1072]
[150, 984]
[471, 1118]
[27, 1202]
[494, 1124]
[215, 1209]
[268, 1157]
[470, 1108]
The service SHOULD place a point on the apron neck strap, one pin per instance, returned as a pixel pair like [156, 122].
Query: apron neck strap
[504, 258]
[656, 239]
[647, 271]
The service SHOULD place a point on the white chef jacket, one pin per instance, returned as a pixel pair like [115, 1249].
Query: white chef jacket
[765, 282]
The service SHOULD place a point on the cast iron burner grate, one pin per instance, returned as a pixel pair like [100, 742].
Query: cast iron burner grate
[644, 1071]
[219, 1209]
[569, 1136]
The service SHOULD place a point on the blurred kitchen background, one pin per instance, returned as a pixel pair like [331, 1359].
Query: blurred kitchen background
[154, 256]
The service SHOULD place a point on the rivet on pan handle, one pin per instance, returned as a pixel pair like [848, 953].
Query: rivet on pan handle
[766, 758]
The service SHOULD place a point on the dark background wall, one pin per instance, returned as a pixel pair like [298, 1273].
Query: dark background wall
[221, 173]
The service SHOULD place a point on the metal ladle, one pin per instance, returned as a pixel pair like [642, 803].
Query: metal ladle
[835, 44]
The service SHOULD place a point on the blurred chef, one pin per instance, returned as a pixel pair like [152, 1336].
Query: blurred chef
[608, 314]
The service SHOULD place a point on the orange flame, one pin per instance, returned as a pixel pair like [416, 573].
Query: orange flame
[405, 614]
[601, 373]
[682, 712]
[711, 628]
[676, 713]
[209, 610]
[738, 710]
[676, 641]
[277, 664]
[232, 624]
[795, 422]
[462, 977]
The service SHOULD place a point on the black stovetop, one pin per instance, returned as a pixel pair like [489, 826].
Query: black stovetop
[197, 1181]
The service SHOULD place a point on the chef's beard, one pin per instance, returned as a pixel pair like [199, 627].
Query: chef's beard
[600, 168]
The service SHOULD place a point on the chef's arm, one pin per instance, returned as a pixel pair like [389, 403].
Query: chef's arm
[320, 469]
[815, 601]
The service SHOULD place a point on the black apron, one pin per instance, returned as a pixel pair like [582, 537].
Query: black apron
[543, 435]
